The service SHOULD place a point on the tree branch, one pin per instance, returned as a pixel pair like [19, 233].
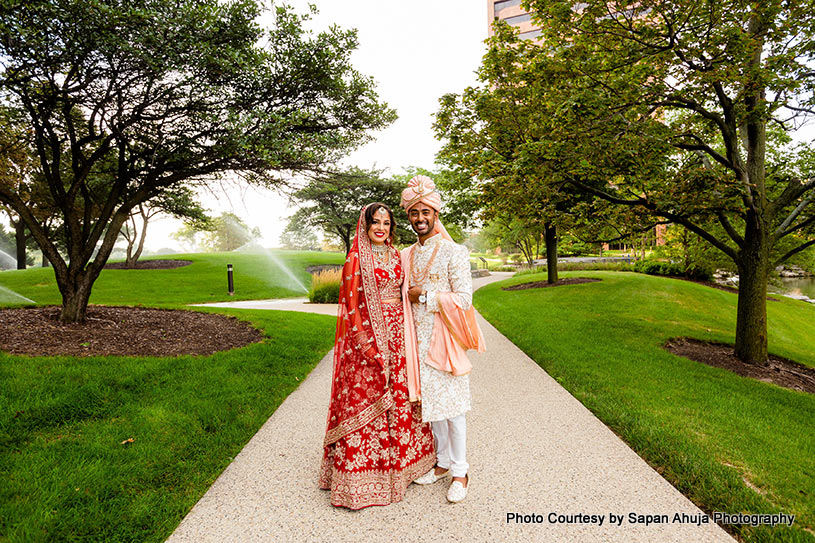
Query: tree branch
[793, 252]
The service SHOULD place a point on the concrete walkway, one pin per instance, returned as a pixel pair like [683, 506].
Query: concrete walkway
[533, 450]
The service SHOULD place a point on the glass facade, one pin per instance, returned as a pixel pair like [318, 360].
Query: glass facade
[505, 4]
[518, 19]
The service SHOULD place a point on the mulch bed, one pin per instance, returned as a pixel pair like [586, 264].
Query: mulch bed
[149, 265]
[122, 331]
[780, 371]
[560, 283]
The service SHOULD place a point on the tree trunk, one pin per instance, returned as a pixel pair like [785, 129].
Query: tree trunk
[550, 232]
[751, 316]
[133, 257]
[75, 296]
[45, 262]
[19, 234]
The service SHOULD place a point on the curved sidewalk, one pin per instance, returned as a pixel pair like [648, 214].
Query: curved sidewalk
[532, 447]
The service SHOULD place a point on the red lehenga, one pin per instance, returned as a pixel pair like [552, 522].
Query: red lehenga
[375, 443]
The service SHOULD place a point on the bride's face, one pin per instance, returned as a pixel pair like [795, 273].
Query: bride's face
[380, 228]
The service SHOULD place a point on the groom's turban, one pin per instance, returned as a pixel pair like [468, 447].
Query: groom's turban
[421, 189]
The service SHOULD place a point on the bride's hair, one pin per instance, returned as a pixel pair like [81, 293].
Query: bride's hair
[369, 218]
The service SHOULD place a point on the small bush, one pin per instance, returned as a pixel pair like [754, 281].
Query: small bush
[658, 267]
[325, 287]
[497, 267]
[581, 266]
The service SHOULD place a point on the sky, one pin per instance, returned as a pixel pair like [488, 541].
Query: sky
[416, 52]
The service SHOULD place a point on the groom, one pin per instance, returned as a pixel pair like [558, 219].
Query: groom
[439, 288]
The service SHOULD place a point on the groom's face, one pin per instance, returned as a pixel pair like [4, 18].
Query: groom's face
[422, 218]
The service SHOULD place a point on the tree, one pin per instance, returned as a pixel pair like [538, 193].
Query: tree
[297, 235]
[125, 100]
[178, 202]
[685, 109]
[336, 199]
[528, 238]
[486, 131]
[228, 232]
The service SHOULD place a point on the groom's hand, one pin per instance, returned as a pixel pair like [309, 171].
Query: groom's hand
[414, 293]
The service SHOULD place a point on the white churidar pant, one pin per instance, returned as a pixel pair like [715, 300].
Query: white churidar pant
[451, 444]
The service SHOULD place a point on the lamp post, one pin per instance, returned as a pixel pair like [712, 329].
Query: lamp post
[229, 280]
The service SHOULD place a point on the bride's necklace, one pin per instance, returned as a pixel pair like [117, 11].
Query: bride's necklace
[381, 253]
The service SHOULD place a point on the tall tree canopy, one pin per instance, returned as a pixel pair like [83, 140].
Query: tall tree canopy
[332, 202]
[685, 109]
[487, 132]
[121, 100]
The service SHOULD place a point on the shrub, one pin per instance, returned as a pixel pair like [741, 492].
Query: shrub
[325, 287]
[580, 266]
[496, 267]
[658, 267]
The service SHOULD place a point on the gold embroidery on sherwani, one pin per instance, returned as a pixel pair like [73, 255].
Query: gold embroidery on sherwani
[444, 396]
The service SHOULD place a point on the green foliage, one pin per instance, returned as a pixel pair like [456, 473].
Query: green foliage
[677, 110]
[328, 293]
[133, 99]
[695, 256]
[516, 233]
[569, 245]
[658, 267]
[579, 266]
[333, 201]
[501, 268]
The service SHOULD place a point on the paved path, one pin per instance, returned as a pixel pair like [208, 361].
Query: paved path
[533, 449]
[280, 304]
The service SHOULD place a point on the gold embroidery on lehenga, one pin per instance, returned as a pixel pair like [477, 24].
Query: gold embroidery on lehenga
[359, 420]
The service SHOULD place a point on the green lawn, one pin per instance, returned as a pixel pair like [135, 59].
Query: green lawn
[728, 443]
[66, 474]
[257, 275]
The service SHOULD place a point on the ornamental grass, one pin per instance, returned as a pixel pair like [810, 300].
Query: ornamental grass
[325, 287]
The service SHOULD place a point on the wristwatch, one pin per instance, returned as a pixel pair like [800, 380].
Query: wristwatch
[422, 298]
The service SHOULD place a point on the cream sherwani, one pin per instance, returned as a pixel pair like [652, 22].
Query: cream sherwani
[443, 395]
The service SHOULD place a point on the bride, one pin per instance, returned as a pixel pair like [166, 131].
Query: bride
[375, 443]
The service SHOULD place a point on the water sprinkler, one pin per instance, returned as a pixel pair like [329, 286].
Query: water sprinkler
[229, 280]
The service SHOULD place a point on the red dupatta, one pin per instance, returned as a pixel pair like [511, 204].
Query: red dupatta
[359, 391]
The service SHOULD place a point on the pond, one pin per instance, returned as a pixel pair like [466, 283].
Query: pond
[799, 285]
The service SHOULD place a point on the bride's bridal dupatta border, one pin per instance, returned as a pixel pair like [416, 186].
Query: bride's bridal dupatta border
[361, 341]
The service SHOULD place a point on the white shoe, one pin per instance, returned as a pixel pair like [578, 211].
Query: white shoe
[430, 477]
[457, 491]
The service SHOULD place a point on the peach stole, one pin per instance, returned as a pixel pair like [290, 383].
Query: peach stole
[454, 332]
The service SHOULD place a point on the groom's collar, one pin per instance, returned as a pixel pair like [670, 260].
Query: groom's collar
[430, 241]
